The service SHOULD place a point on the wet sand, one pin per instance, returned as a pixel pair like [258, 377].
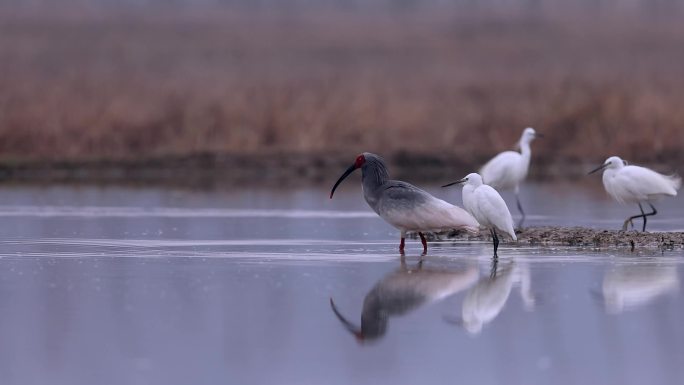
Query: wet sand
[580, 236]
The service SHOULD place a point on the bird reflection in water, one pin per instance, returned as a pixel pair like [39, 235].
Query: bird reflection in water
[485, 301]
[628, 286]
[403, 291]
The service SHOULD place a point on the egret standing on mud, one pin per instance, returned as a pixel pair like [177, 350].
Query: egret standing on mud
[508, 169]
[403, 205]
[487, 206]
[634, 184]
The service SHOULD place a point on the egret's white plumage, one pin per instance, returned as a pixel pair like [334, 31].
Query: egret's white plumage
[486, 205]
[635, 184]
[508, 169]
[632, 184]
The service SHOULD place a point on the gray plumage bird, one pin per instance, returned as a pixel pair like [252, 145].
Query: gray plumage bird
[403, 205]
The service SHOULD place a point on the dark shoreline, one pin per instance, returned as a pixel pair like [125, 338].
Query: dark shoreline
[206, 170]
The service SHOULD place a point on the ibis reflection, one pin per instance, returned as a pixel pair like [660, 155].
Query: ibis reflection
[402, 291]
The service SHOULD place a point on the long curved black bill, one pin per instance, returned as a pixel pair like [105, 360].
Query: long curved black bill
[599, 168]
[346, 174]
[453, 183]
[353, 329]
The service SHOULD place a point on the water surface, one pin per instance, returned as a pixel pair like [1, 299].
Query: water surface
[158, 286]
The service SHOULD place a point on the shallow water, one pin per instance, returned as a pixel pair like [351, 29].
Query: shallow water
[157, 286]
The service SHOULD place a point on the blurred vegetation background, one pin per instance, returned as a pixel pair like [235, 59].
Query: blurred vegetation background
[263, 89]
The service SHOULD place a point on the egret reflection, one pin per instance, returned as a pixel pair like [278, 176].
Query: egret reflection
[628, 286]
[403, 291]
[485, 301]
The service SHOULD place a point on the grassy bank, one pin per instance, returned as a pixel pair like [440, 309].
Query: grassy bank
[444, 88]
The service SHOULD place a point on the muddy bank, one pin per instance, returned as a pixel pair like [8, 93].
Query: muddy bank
[580, 236]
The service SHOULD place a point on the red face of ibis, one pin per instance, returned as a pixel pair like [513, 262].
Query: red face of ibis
[360, 160]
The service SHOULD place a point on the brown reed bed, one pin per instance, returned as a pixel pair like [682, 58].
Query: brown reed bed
[440, 88]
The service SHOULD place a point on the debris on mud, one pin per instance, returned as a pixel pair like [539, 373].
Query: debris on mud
[579, 236]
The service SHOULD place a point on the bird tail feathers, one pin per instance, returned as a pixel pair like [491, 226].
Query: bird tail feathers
[467, 221]
[676, 181]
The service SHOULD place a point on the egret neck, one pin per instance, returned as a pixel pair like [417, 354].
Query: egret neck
[526, 153]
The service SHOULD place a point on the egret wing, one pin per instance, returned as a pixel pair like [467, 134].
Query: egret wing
[647, 182]
[634, 183]
[492, 207]
[501, 171]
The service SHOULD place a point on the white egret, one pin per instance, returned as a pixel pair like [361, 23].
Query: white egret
[508, 169]
[486, 205]
[634, 184]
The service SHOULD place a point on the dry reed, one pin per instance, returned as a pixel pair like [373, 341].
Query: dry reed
[134, 86]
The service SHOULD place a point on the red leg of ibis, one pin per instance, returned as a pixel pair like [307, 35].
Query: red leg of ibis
[424, 242]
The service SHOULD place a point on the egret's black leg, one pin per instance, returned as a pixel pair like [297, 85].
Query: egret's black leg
[491, 233]
[643, 216]
[654, 212]
[629, 220]
[495, 258]
[522, 219]
[520, 223]
[517, 200]
[495, 238]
